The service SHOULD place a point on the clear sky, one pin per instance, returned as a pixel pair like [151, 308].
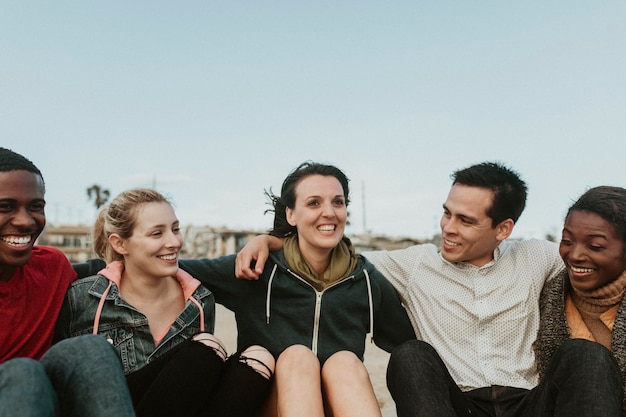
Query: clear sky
[213, 102]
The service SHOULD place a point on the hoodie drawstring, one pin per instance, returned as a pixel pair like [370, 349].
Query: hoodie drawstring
[269, 295]
[96, 320]
[370, 300]
[193, 300]
[371, 305]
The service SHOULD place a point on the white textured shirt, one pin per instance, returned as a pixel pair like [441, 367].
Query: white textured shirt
[481, 320]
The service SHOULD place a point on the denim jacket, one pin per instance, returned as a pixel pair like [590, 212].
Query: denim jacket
[125, 327]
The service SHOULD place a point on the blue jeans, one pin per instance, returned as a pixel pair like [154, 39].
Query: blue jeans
[583, 379]
[81, 376]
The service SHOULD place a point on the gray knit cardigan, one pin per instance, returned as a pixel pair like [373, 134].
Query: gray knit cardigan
[553, 330]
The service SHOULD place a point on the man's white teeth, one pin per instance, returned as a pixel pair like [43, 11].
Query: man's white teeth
[168, 257]
[450, 243]
[581, 270]
[326, 228]
[16, 240]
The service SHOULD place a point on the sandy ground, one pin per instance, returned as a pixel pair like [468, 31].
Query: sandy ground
[375, 359]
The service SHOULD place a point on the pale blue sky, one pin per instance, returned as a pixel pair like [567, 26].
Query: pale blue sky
[216, 101]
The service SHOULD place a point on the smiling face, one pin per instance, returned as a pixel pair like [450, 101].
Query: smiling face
[593, 253]
[319, 214]
[22, 218]
[467, 232]
[153, 248]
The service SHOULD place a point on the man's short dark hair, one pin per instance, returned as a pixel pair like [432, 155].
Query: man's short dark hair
[13, 161]
[509, 190]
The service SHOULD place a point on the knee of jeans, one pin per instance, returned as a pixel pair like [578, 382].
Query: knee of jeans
[21, 368]
[414, 354]
[92, 346]
[259, 359]
[585, 355]
[213, 342]
[413, 349]
[26, 373]
[576, 350]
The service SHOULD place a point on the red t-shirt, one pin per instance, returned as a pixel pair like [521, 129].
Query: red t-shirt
[30, 303]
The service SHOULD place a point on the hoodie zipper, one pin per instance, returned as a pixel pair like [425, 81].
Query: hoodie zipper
[316, 324]
[318, 307]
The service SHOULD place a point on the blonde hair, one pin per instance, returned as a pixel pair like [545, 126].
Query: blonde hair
[120, 217]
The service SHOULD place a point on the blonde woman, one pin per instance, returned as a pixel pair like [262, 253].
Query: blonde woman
[159, 318]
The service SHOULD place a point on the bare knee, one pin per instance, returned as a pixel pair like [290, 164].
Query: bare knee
[343, 365]
[298, 357]
[213, 342]
[347, 387]
[298, 382]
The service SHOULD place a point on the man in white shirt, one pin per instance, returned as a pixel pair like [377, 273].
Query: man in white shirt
[474, 305]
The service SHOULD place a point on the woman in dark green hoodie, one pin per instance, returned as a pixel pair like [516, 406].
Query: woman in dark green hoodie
[314, 303]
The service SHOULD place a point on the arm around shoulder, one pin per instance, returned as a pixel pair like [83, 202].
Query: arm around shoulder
[398, 265]
[392, 325]
[252, 257]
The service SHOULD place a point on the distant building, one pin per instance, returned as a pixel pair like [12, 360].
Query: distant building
[211, 242]
[76, 241]
[368, 242]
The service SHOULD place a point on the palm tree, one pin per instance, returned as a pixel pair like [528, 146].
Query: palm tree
[98, 194]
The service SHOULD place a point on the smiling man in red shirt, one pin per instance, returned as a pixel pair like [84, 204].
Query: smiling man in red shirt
[76, 377]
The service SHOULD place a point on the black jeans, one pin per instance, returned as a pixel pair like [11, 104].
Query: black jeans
[583, 379]
[191, 380]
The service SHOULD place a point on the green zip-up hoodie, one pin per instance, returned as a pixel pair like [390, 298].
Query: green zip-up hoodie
[282, 309]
